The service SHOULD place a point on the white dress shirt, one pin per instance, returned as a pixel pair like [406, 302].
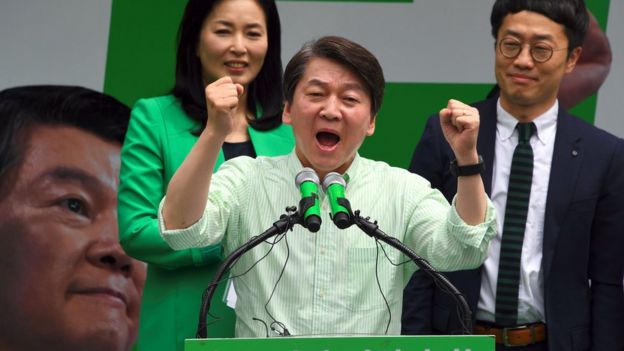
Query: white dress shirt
[531, 291]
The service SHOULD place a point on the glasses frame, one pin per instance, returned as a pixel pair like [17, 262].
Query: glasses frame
[531, 50]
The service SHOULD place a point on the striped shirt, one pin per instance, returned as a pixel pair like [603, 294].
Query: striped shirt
[329, 281]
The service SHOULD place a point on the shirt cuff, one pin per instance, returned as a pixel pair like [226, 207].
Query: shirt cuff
[179, 239]
[473, 235]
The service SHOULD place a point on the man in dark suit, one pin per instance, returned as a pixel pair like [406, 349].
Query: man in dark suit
[568, 293]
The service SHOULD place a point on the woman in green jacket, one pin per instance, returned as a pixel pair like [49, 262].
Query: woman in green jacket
[239, 39]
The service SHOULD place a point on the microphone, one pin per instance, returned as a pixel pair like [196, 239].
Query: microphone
[308, 183]
[334, 186]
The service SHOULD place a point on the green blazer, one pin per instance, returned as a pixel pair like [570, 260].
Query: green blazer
[158, 139]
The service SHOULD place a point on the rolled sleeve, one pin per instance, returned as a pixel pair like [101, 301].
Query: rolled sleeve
[223, 204]
[441, 236]
[476, 236]
[193, 236]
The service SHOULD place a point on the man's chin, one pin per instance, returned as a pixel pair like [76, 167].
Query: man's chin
[521, 98]
[92, 339]
[101, 332]
[111, 339]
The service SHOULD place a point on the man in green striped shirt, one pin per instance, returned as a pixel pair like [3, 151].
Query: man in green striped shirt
[333, 281]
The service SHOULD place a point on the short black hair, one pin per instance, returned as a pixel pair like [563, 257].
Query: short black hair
[26, 107]
[264, 92]
[345, 52]
[572, 14]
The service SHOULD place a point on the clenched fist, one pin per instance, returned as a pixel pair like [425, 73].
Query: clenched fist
[460, 125]
[222, 98]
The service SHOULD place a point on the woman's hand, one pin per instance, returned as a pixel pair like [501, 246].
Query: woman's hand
[222, 98]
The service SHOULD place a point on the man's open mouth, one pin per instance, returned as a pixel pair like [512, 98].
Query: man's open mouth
[327, 139]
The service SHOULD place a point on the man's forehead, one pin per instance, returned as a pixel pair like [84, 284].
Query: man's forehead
[344, 84]
[62, 173]
[322, 71]
[531, 25]
[48, 137]
[68, 153]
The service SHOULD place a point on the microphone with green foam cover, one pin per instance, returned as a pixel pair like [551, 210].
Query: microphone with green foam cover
[308, 183]
[334, 186]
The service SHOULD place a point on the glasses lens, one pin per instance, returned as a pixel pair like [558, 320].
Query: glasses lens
[541, 53]
[510, 48]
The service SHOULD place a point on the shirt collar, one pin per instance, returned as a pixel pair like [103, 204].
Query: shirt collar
[354, 169]
[545, 124]
[294, 164]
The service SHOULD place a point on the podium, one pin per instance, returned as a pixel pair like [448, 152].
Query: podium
[346, 343]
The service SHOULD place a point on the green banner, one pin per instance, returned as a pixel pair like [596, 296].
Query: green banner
[359, 343]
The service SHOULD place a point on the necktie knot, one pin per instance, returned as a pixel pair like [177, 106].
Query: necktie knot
[525, 130]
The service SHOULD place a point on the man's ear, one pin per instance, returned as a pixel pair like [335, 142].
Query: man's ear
[371, 126]
[573, 59]
[286, 114]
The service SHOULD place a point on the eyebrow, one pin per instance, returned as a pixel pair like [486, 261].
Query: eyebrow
[230, 24]
[536, 37]
[68, 174]
[345, 86]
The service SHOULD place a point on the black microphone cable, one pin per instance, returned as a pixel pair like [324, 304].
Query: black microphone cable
[379, 285]
[285, 223]
[308, 216]
[276, 240]
[266, 328]
[284, 331]
[372, 229]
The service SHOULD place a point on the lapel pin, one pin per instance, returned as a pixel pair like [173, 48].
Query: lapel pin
[574, 153]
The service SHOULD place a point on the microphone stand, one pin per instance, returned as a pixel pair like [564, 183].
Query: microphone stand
[286, 222]
[372, 229]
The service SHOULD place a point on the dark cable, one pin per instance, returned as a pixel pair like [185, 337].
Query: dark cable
[266, 305]
[276, 240]
[372, 229]
[266, 328]
[283, 332]
[435, 279]
[282, 225]
[379, 285]
[388, 257]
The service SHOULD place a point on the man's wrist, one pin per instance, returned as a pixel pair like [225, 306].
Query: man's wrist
[459, 170]
[470, 158]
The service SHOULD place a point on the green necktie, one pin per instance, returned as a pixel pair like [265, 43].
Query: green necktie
[516, 209]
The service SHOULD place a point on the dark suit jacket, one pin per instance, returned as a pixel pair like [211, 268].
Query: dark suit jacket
[583, 245]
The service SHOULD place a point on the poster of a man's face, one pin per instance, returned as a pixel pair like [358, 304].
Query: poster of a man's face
[66, 282]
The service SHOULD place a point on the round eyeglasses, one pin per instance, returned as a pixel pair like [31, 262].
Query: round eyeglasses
[540, 52]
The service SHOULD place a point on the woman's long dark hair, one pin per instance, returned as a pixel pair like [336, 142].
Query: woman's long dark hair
[264, 92]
